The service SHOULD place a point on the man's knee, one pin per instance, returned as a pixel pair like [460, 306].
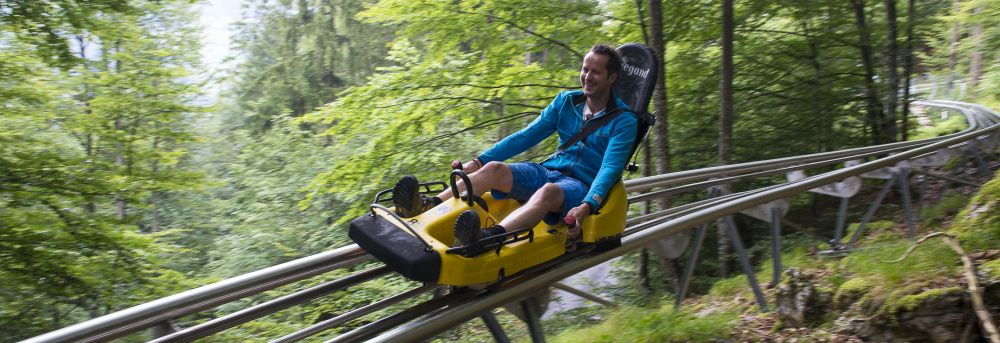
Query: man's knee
[496, 171]
[494, 167]
[549, 194]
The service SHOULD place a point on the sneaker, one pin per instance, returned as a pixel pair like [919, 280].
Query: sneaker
[407, 199]
[467, 229]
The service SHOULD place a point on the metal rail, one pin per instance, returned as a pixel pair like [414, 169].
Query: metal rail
[440, 313]
[432, 324]
[150, 314]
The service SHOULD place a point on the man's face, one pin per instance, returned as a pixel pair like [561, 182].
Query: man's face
[594, 75]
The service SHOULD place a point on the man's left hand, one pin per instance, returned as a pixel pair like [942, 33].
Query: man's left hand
[580, 212]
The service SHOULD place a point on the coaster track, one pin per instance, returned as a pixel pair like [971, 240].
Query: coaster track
[430, 317]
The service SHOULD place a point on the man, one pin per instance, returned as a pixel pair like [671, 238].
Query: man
[573, 182]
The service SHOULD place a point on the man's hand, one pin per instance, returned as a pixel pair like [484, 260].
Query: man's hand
[469, 167]
[579, 212]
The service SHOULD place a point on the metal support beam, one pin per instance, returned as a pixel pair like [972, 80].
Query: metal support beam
[737, 242]
[775, 245]
[947, 178]
[495, 329]
[580, 293]
[838, 233]
[530, 308]
[921, 190]
[692, 260]
[904, 188]
[871, 209]
[984, 169]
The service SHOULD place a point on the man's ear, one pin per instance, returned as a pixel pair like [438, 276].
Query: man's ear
[614, 77]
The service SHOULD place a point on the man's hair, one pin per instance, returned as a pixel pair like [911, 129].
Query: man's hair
[614, 59]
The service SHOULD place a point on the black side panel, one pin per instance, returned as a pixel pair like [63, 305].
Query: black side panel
[638, 76]
[400, 250]
[635, 85]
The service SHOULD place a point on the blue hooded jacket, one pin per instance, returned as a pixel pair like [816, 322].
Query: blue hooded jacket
[596, 160]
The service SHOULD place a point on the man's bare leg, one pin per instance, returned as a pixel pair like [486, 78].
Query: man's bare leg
[494, 175]
[547, 199]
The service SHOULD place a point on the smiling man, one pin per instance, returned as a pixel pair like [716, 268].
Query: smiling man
[571, 182]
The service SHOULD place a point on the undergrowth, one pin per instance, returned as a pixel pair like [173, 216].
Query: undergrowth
[656, 325]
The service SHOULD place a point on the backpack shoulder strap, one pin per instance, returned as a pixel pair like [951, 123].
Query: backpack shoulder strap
[592, 126]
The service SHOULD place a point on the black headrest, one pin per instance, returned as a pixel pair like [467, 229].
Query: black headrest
[637, 77]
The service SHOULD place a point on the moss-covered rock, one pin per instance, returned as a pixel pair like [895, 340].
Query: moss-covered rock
[800, 303]
[978, 225]
[853, 290]
[909, 314]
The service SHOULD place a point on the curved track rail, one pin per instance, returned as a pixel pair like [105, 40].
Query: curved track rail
[427, 318]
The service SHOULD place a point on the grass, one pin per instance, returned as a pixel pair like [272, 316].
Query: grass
[656, 325]
[946, 207]
[954, 123]
[933, 258]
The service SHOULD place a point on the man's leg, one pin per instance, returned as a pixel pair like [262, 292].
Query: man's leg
[409, 202]
[547, 199]
[493, 175]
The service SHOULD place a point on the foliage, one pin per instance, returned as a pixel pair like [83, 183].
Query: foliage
[655, 325]
[438, 95]
[946, 207]
[85, 147]
[953, 124]
[43, 24]
[117, 188]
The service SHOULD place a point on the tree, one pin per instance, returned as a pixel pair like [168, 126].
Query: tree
[874, 106]
[726, 118]
[68, 255]
[892, 72]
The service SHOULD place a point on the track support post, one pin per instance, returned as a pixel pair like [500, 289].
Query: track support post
[871, 209]
[530, 307]
[775, 245]
[737, 242]
[689, 266]
[494, 326]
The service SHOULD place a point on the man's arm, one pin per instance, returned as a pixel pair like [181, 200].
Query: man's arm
[622, 137]
[534, 133]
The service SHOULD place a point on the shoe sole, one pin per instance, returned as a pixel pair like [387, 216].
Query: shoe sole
[406, 190]
[467, 229]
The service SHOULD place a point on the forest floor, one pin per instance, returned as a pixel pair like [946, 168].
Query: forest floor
[865, 285]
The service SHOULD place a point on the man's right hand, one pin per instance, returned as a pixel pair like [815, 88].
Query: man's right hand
[469, 167]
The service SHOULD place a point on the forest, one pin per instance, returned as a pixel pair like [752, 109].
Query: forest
[122, 182]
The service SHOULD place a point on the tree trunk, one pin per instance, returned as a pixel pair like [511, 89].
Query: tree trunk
[642, 20]
[911, 19]
[976, 64]
[154, 196]
[726, 120]
[88, 145]
[892, 75]
[872, 101]
[662, 126]
[661, 129]
[120, 157]
[953, 47]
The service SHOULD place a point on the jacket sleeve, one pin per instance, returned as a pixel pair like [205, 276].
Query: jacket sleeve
[622, 136]
[539, 129]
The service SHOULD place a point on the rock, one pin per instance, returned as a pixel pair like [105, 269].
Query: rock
[935, 315]
[799, 302]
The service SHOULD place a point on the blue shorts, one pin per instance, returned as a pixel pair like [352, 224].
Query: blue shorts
[530, 177]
